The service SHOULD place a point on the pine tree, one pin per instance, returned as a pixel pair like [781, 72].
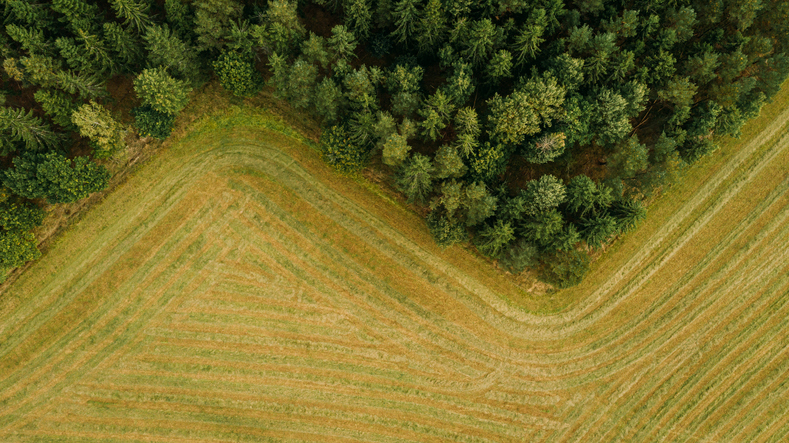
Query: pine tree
[545, 147]
[58, 105]
[542, 228]
[415, 178]
[78, 14]
[125, 46]
[134, 13]
[478, 203]
[166, 50]
[499, 67]
[328, 100]
[478, 45]
[406, 19]
[212, 21]
[431, 27]
[342, 42]
[19, 126]
[358, 17]
[449, 163]
[492, 240]
[30, 39]
[395, 150]
[85, 86]
[314, 50]
[301, 83]
[598, 229]
[628, 213]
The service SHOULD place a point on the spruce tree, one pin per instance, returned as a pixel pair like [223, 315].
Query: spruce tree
[415, 178]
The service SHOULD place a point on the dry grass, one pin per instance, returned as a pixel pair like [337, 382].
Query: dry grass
[236, 289]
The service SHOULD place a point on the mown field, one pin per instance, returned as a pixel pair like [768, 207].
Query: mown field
[236, 289]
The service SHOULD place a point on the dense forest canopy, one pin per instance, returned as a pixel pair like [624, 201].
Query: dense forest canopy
[535, 128]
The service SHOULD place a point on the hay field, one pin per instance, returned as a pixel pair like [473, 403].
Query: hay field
[236, 289]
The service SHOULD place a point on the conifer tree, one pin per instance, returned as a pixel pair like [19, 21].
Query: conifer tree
[133, 12]
[492, 240]
[415, 178]
[167, 50]
[358, 17]
[95, 122]
[19, 127]
[406, 18]
[155, 87]
[212, 22]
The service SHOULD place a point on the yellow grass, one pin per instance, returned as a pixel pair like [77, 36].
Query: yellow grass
[237, 289]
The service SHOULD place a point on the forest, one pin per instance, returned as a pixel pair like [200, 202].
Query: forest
[535, 129]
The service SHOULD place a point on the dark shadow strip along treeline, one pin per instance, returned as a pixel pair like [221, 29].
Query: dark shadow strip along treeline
[535, 128]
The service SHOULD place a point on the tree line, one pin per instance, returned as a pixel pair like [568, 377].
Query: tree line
[534, 128]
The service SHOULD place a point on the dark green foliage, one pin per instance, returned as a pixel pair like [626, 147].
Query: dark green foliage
[152, 123]
[166, 49]
[493, 239]
[585, 197]
[328, 100]
[124, 45]
[54, 177]
[627, 213]
[17, 248]
[133, 12]
[358, 17]
[237, 74]
[541, 228]
[379, 45]
[564, 269]
[445, 230]
[478, 203]
[19, 128]
[415, 178]
[281, 31]
[406, 17]
[342, 42]
[518, 256]
[340, 152]
[598, 229]
[20, 216]
[212, 21]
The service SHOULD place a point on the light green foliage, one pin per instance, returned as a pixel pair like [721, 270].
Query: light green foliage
[545, 148]
[478, 203]
[282, 31]
[54, 177]
[152, 123]
[19, 127]
[448, 162]
[340, 152]
[415, 178]
[17, 248]
[451, 198]
[611, 120]
[499, 67]
[467, 129]
[487, 161]
[358, 17]
[480, 40]
[342, 42]
[395, 150]
[679, 91]
[542, 227]
[431, 27]
[459, 85]
[95, 122]
[384, 127]
[134, 13]
[31, 40]
[544, 194]
[527, 43]
[155, 87]
[445, 230]
[538, 101]
[406, 18]
[314, 50]
[403, 82]
[492, 240]
[212, 21]
[328, 100]
[360, 86]
[237, 74]
[436, 112]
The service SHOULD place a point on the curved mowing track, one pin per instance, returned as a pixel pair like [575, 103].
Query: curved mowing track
[236, 290]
